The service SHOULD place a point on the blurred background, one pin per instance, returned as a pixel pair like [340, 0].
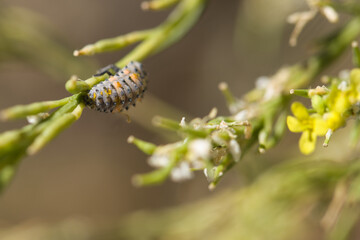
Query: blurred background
[86, 171]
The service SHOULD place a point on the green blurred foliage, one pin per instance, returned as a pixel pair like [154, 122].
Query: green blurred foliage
[27, 37]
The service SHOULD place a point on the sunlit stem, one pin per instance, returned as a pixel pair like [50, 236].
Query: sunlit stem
[22, 111]
[158, 4]
[153, 40]
[155, 177]
[54, 128]
[300, 92]
[166, 123]
[226, 164]
[175, 27]
[113, 44]
[146, 147]
[75, 85]
[356, 54]
[355, 134]
[229, 97]
[327, 138]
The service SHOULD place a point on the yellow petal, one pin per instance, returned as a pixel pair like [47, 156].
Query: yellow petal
[320, 127]
[294, 124]
[334, 120]
[307, 142]
[299, 111]
[341, 103]
[355, 76]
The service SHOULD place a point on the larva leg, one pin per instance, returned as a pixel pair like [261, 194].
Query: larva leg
[110, 69]
[128, 119]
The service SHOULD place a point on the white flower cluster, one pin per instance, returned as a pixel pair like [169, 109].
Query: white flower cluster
[199, 153]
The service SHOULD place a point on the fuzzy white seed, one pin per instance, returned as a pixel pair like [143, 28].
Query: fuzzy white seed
[200, 148]
[181, 172]
[210, 174]
[182, 122]
[330, 14]
[235, 150]
[33, 119]
[158, 160]
[242, 115]
[262, 82]
[213, 113]
[205, 172]
[223, 86]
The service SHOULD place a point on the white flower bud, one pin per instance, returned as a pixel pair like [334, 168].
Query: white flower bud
[242, 115]
[182, 122]
[330, 13]
[200, 148]
[262, 82]
[158, 160]
[181, 172]
[235, 150]
[33, 119]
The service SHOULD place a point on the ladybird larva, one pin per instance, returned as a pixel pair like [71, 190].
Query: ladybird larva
[119, 91]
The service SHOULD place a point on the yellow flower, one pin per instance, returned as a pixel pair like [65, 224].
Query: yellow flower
[307, 142]
[355, 76]
[339, 102]
[311, 126]
[355, 85]
[334, 120]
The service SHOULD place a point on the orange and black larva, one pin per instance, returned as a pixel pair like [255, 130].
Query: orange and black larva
[120, 90]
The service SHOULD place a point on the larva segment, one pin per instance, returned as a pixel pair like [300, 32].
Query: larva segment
[137, 67]
[128, 91]
[119, 91]
[112, 94]
[135, 89]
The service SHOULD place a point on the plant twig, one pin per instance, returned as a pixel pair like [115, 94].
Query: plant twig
[30, 139]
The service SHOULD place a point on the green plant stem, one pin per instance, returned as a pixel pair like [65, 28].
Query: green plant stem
[154, 177]
[54, 128]
[176, 26]
[347, 7]
[30, 139]
[158, 4]
[113, 44]
[14, 144]
[179, 22]
[22, 111]
[356, 54]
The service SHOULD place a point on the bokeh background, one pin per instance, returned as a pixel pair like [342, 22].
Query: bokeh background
[86, 171]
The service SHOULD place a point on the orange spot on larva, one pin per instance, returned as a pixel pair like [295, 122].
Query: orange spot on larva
[134, 76]
[126, 71]
[111, 79]
[117, 85]
[94, 96]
